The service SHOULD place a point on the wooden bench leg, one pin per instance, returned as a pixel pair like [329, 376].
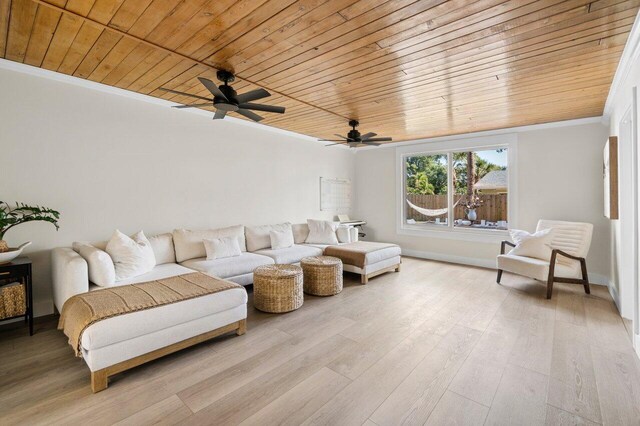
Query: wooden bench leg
[242, 327]
[99, 380]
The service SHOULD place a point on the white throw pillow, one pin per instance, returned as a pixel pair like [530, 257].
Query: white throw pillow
[188, 243]
[322, 232]
[536, 245]
[281, 239]
[132, 256]
[101, 270]
[219, 248]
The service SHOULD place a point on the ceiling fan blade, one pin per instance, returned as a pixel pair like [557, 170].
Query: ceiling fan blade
[340, 136]
[220, 114]
[370, 143]
[175, 92]
[252, 96]
[368, 135]
[260, 107]
[332, 140]
[192, 105]
[211, 86]
[379, 140]
[339, 143]
[250, 115]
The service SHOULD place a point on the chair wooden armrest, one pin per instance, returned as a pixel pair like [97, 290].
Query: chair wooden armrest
[565, 254]
[504, 244]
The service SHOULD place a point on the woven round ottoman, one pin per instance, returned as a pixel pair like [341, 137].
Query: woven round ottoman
[322, 275]
[277, 288]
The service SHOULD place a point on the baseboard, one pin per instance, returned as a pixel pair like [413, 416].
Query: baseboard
[614, 295]
[596, 279]
[471, 261]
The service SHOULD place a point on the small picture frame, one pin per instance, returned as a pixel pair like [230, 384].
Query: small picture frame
[610, 177]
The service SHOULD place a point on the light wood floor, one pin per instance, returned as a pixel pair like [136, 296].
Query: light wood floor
[434, 344]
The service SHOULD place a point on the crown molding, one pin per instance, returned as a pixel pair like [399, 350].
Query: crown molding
[630, 56]
[506, 130]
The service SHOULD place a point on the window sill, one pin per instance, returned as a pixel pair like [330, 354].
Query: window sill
[462, 234]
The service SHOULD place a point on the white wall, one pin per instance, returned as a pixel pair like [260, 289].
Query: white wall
[624, 285]
[559, 176]
[106, 161]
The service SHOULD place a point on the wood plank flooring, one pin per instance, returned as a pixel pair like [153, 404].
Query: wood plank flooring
[433, 344]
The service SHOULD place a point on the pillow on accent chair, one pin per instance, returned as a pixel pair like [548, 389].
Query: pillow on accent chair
[132, 256]
[281, 239]
[219, 248]
[536, 245]
[322, 232]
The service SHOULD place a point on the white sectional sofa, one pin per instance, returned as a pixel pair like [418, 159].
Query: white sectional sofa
[117, 343]
[182, 251]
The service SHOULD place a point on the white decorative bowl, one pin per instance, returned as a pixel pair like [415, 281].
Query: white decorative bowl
[13, 252]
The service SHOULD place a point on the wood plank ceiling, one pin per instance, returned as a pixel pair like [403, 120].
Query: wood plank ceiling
[404, 68]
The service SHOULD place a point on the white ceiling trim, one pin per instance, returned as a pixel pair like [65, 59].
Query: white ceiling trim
[506, 130]
[630, 56]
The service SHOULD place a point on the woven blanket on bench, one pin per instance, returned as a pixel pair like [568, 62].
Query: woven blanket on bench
[82, 310]
[355, 253]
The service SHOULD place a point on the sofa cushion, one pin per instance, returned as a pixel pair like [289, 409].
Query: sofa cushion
[300, 232]
[165, 270]
[229, 266]
[135, 324]
[100, 266]
[258, 237]
[162, 246]
[291, 254]
[189, 244]
[535, 268]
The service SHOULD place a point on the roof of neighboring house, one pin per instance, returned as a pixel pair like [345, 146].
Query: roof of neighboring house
[496, 179]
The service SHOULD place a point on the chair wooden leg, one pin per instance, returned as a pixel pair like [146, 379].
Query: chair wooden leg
[499, 276]
[99, 380]
[585, 276]
[549, 287]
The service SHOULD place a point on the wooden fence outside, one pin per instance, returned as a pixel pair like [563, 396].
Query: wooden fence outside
[493, 209]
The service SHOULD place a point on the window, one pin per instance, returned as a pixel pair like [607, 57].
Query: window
[455, 189]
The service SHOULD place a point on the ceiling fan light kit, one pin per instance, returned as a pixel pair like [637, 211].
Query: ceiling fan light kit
[355, 139]
[226, 99]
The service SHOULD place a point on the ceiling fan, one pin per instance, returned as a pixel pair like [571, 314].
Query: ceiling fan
[354, 138]
[225, 99]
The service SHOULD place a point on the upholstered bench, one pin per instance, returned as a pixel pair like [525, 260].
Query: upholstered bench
[367, 258]
[118, 328]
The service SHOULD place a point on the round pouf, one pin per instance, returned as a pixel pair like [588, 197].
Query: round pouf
[277, 288]
[322, 275]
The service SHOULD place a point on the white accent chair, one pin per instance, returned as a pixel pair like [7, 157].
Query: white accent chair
[570, 245]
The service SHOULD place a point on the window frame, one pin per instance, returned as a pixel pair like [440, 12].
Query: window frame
[448, 147]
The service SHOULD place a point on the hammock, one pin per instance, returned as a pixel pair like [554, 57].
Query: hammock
[431, 212]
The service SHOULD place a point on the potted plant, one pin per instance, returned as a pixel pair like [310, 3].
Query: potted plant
[472, 202]
[22, 213]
